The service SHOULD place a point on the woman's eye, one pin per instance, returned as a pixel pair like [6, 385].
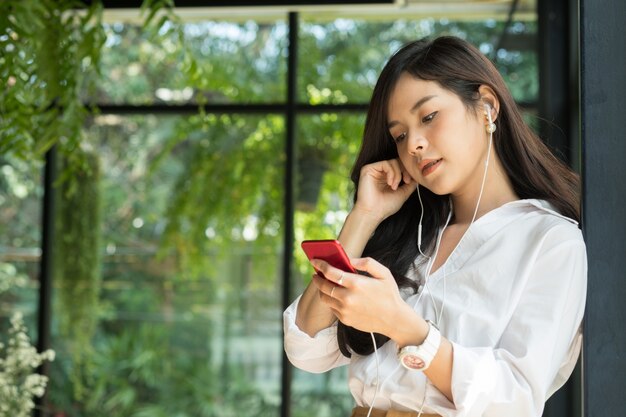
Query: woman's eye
[400, 137]
[429, 118]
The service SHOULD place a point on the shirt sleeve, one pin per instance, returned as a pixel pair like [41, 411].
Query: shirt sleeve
[539, 346]
[312, 354]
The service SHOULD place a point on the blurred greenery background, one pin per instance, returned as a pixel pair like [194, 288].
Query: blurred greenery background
[167, 287]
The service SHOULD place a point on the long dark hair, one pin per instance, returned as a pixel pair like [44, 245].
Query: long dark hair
[531, 167]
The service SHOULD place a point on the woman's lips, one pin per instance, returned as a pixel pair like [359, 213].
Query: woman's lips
[430, 166]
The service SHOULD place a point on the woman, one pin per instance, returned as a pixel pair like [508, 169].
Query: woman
[466, 226]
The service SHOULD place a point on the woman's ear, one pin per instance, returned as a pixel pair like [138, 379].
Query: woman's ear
[489, 97]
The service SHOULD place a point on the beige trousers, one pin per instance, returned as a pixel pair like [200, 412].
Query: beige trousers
[362, 412]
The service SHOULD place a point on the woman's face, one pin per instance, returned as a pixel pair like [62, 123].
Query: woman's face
[440, 142]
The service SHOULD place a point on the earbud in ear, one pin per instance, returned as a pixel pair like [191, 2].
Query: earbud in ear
[491, 126]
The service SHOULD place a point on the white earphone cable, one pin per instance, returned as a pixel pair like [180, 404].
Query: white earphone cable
[443, 302]
[377, 376]
[438, 313]
[480, 196]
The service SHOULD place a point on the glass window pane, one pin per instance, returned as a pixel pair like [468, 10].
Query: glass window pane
[21, 193]
[188, 321]
[327, 146]
[340, 59]
[218, 62]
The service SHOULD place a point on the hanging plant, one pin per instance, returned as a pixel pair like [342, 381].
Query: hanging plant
[78, 264]
[50, 56]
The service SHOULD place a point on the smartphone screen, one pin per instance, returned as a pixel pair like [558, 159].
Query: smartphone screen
[330, 251]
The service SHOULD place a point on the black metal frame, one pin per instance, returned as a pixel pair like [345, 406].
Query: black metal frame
[554, 85]
[44, 312]
[252, 108]
[288, 237]
[136, 4]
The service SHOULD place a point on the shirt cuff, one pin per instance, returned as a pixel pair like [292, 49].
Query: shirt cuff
[319, 353]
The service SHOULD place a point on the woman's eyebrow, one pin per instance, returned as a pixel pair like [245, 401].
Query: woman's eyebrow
[416, 106]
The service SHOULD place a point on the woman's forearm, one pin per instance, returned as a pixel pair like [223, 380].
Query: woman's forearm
[357, 230]
[313, 315]
[409, 329]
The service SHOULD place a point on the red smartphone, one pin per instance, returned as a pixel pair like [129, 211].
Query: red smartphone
[330, 251]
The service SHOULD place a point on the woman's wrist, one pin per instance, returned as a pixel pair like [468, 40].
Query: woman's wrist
[312, 314]
[357, 229]
[367, 215]
[408, 328]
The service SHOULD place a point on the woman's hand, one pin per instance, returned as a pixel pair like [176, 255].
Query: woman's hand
[369, 304]
[381, 192]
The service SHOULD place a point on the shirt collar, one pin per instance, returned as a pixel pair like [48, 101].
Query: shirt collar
[542, 205]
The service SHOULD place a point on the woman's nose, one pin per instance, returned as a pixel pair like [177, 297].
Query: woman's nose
[416, 143]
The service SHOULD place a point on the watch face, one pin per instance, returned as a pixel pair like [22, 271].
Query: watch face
[412, 362]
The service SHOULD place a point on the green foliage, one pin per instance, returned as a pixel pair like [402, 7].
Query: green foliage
[10, 278]
[50, 56]
[344, 57]
[338, 63]
[146, 371]
[134, 375]
[140, 291]
[20, 202]
[335, 138]
[229, 192]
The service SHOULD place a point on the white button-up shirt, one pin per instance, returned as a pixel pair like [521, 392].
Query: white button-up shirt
[513, 304]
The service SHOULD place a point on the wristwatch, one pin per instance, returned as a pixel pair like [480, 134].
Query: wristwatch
[420, 357]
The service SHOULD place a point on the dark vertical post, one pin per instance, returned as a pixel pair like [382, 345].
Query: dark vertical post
[554, 75]
[603, 88]
[288, 235]
[45, 270]
[558, 95]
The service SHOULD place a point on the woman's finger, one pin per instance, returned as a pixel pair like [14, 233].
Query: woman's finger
[382, 171]
[394, 173]
[398, 171]
[406, 177]
[372, 267]
[327, 289]
[335, 275]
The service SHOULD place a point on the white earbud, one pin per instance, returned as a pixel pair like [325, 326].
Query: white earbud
[491, 126]
[419, 226]
[488, 112]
